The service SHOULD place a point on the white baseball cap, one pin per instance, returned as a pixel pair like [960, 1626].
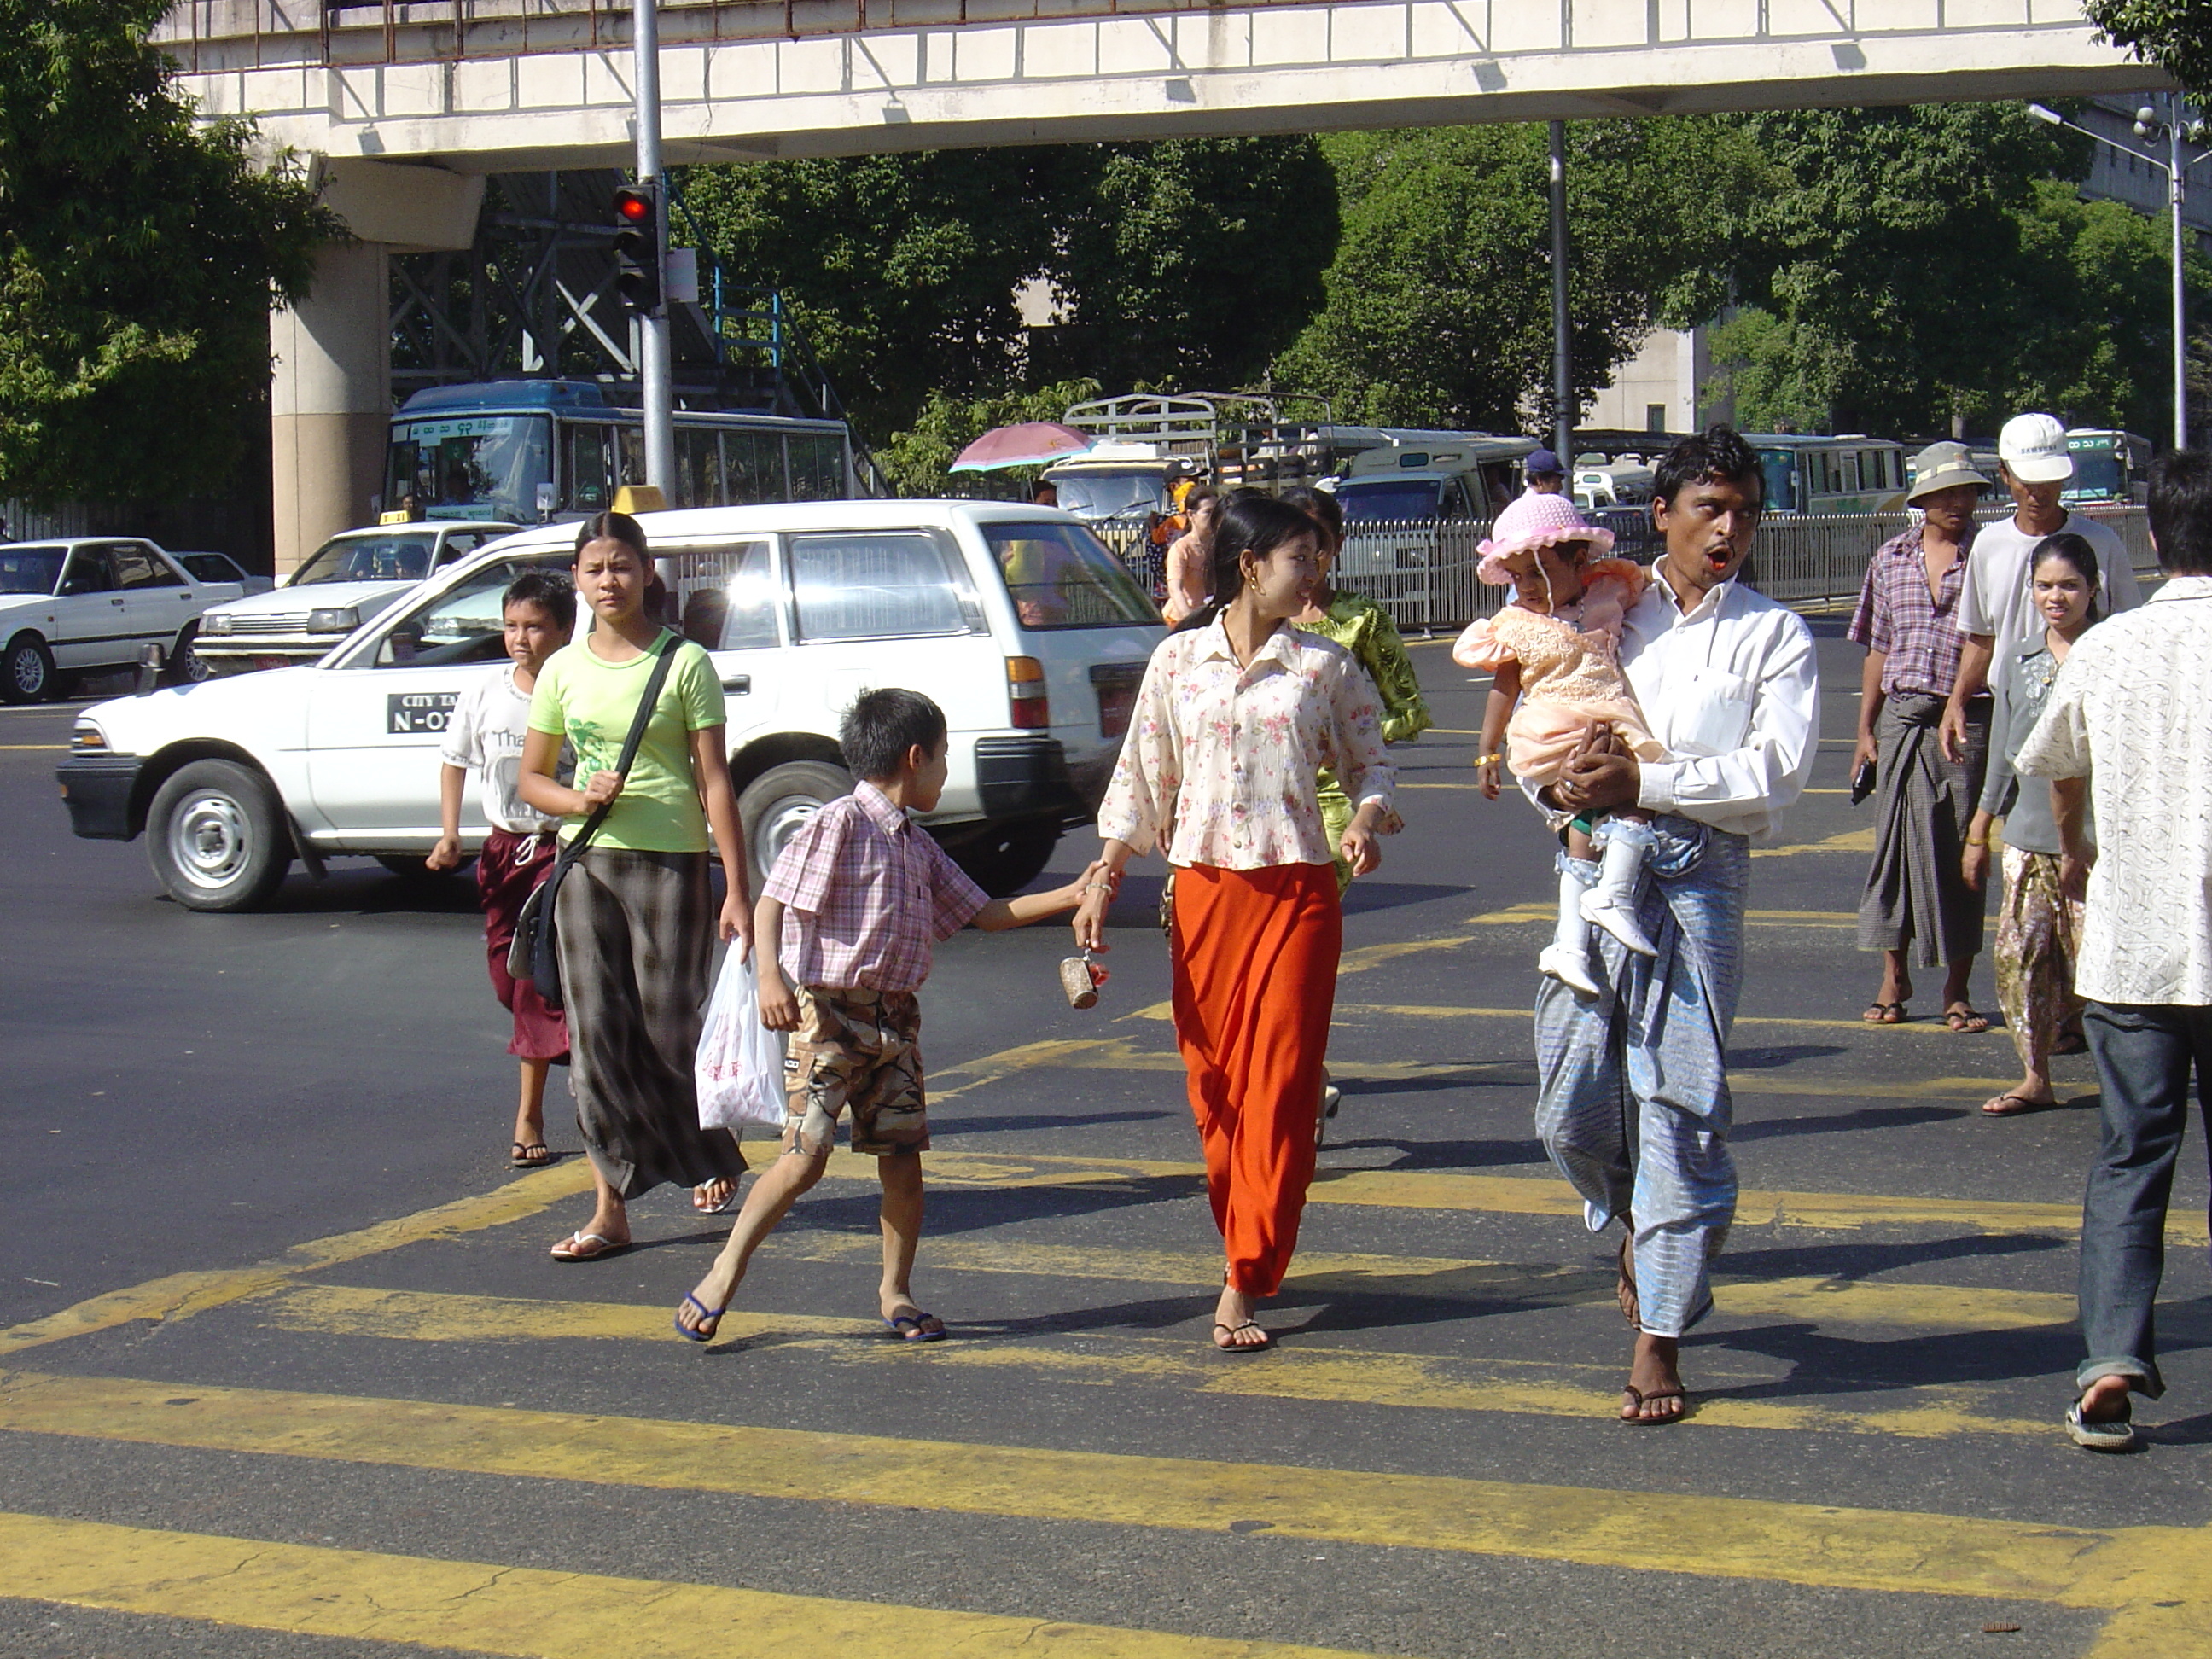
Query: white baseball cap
[2034, 447]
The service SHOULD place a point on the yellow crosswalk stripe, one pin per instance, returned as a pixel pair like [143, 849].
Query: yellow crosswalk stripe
[1093, 1359]
[529, 1614]
[2123, 1567]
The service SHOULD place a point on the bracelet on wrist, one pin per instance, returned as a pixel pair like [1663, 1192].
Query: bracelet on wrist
[1488, 760]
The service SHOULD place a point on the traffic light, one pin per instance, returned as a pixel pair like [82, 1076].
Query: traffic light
[637, 249]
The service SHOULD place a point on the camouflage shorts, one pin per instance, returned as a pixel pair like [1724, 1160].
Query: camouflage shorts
[857, 1049]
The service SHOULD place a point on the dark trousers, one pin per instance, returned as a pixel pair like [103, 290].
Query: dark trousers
[2145, 1053]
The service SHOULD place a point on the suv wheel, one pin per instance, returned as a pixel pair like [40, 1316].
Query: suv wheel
[777, 802]
[1002, 859]
[217, 837]
[27, 671]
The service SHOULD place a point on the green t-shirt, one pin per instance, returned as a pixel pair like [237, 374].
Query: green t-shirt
[593, 702]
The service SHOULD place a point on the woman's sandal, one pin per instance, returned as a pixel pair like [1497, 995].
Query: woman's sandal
[1232, 1332]
[2008, 1105]
[522, 1158]
[1884, 1013]
[710, 1320]
[2105, 1434]
[898, 1324]
[1641, 1399]
[587, 1247]
[1623, 1291]
[1961, 1018]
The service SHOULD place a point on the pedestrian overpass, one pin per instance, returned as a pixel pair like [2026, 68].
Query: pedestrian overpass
[404, 108]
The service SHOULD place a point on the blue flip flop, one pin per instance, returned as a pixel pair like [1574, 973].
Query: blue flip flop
[705, 1312]
[897, 1323]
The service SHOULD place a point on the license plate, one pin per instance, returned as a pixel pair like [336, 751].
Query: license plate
[1116, 685]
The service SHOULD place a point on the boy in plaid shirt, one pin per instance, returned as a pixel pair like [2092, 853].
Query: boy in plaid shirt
[858, 898]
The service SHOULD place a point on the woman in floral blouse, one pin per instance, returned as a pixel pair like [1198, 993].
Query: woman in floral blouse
[1237, 714]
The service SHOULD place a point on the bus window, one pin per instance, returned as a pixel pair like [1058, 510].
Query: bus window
[1848, 470]
[633, 453]
[818, 466]
[589, 487]
[698, 467]
[1780, 466]
[751, 467]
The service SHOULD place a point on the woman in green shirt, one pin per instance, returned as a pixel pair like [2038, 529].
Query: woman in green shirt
[636, 914]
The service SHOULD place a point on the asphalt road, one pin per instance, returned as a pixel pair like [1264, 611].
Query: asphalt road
[285, 1369]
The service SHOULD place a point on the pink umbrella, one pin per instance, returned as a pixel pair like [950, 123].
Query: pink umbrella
[1030, 444]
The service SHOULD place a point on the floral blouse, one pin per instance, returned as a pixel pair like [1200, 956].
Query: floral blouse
[1219, 764]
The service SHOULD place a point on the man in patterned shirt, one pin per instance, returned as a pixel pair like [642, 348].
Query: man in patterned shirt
[2125, 723]
[857, 897]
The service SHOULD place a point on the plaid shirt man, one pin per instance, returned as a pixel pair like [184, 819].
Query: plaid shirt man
[866, 894]
[1917, 630]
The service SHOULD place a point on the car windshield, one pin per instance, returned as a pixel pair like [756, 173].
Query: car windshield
[393, 558]
[30, 569]
[2098, 476]
[477, 467]
[1111, 495]
[1389, 501]
[1059, 576]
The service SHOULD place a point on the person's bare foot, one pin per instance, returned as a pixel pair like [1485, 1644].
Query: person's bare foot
[1654, 1393]
[709, 1300]
[2106, 1399]
[711, 1197]
[1235, 1330]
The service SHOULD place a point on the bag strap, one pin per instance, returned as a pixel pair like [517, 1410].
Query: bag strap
[664, 658]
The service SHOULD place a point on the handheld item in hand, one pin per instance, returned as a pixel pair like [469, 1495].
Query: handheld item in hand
[535, 954]
[738, 1065]
[1081, 980]
[1863, 782]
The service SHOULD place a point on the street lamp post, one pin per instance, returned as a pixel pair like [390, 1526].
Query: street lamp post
[1563, 378]
[2174, 129]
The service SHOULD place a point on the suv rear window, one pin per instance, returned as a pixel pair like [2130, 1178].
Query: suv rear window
[874, 584]
[1061, 575]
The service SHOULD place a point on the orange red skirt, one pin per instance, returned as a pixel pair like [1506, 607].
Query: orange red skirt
[1255, 954]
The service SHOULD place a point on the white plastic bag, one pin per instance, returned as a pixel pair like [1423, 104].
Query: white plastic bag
[739, 1066]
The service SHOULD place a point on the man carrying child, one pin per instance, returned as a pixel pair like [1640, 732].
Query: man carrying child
[857, 899]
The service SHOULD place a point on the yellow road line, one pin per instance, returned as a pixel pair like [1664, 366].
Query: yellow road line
[25, 747]
[1160, 1010]
[525, 1612]
[1451, 1189]
[1113, 1359]
[179, 1296]
[1659, 1532]
[1851, 840]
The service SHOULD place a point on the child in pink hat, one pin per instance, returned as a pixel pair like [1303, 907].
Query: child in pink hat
[1554, 653]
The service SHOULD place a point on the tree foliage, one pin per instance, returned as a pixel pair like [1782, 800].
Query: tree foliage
[1438, 307]
[1188, 260]
[2174, 34]
[1921, 269]
[139, 256]
[915, 460]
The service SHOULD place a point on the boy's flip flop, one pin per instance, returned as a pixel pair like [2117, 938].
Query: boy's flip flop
[586, 1247]
[2113, 1434]
[898, 1324]
[710, 1320]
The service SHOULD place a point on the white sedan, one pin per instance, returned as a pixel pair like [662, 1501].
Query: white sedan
[89, 603]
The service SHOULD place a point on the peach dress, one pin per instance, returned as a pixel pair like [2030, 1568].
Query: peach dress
[1570, 672]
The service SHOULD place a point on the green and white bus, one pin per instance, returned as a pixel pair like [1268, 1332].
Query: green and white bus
[2108, 466]
[528, 452]
[1826, 476]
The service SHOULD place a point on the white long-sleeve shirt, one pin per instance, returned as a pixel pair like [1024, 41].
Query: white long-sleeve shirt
[1732, 688]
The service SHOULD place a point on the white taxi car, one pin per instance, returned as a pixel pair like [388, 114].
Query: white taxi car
[344, 583]
[94, 603]
[1015, 618]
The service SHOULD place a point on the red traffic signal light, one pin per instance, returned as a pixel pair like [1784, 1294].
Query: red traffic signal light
[637, 248]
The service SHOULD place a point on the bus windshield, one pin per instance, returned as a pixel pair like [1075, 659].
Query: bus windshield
[1781, 468]
[2098, 476]
[470, 466]
[1389, 501]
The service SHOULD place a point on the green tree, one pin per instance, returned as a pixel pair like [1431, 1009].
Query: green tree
[139, 256]
[2175, 35]
[1180, 261]
[1438, 302]
[1932, 268]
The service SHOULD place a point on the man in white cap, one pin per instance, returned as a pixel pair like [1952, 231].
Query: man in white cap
[1994, 608]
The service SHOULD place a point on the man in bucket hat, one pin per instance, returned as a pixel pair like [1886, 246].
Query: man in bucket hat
[1994, 610]
[1907, 620]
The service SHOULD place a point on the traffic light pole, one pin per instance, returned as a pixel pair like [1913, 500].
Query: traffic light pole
[1563, 408]
[659, 407]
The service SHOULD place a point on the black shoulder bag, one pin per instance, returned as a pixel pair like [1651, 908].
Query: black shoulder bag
[535, 955]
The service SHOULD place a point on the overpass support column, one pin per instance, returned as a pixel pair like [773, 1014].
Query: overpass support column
[330, 404]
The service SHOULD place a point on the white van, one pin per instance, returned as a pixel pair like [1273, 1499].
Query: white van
[1013, 617]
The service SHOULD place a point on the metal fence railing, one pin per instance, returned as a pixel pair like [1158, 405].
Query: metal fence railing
[1423, 573]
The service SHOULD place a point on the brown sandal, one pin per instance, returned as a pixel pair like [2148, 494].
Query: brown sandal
[1623, 1292]
[1642, 1398]
[1232, 1346]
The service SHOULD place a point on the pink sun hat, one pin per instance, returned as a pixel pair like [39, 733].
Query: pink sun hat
[1534, 521]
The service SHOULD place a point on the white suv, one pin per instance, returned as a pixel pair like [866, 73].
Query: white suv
[1015, 618]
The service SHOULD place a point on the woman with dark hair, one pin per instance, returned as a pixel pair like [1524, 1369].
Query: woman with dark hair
[2039, 924]
[1187, 574]
[1237, 714]
[636, 913]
